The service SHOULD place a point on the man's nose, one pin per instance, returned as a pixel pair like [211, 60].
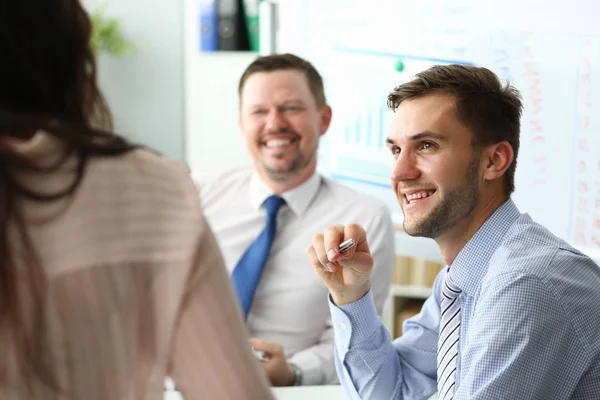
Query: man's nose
[405, 168]
[276, 120]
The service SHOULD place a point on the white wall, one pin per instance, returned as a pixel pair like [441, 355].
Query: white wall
[213, 140]
[145, 89]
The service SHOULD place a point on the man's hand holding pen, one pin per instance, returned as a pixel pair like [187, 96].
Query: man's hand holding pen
[347, 274]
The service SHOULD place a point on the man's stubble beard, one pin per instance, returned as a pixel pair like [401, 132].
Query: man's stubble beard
[296, 167]
[458, 204]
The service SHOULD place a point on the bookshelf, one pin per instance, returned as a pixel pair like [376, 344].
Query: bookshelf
[410, 291]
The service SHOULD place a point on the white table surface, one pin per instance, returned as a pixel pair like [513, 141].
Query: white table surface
[310, 392]
[296, 393]
[314, 393]
[291, 393]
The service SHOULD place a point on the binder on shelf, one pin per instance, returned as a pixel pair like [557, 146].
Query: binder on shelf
[208, 19]
[402, 274]
[230, 24]
[252, 23]
[415, 271]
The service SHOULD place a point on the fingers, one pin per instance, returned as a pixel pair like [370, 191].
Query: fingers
[359, 265]
[332, 237]
[268, 347]
[317, 251]
[311, 255]
[317, 256]
[360, 237]
[324, 253]
[355, 232]
[335, 235]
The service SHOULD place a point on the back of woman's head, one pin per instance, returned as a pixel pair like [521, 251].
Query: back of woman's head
[47, 69]
[47, 83]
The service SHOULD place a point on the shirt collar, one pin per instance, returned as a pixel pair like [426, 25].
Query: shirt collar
[297, 199]
[471, 263]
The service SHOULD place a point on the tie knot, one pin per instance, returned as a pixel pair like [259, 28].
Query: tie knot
[450, 289]
[272, 204]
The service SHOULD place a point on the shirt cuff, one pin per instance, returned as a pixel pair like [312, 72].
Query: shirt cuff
[353, 323]
[308, 363]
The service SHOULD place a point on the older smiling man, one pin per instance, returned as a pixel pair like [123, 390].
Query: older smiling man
[283, 113]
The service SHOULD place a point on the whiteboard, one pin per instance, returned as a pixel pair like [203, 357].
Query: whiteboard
[549, 50]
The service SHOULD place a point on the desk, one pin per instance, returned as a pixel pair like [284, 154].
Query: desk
[291, 393]
[333, 392]
[296, 393]
[314, 393]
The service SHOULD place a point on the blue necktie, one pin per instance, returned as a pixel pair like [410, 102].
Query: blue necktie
[247, 272]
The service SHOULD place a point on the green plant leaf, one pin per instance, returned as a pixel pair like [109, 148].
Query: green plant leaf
[107, 34]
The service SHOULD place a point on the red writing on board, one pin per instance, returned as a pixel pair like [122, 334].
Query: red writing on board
[534, 103]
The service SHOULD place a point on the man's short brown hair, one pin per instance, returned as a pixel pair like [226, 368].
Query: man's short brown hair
[492, 111]
[280, 62]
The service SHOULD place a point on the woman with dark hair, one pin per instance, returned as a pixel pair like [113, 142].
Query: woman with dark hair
[110, 278]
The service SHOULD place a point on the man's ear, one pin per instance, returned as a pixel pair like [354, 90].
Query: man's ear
[498, 158]
[326, 115]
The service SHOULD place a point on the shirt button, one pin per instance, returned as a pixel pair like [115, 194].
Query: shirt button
[343, 326]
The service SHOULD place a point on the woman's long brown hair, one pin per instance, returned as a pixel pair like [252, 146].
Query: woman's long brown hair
[47, 82]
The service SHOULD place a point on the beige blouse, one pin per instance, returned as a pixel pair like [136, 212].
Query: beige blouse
[137, 288]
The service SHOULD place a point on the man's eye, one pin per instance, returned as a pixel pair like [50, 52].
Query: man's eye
[427, 146]
[257, 112]
[395, 151]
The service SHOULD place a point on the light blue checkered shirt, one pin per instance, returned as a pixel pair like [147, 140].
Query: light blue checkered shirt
[530, 324]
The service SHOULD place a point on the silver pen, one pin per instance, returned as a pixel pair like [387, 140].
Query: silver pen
[346, 245]
[260, 355]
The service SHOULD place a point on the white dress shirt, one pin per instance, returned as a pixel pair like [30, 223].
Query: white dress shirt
[290, 305]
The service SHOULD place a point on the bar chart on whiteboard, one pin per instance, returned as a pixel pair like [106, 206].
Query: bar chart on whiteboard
[363, 119]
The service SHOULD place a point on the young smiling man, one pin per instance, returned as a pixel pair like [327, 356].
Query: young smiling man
[283, 113]
[516, 315]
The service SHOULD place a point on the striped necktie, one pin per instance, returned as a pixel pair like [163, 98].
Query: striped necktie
[448, 339]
